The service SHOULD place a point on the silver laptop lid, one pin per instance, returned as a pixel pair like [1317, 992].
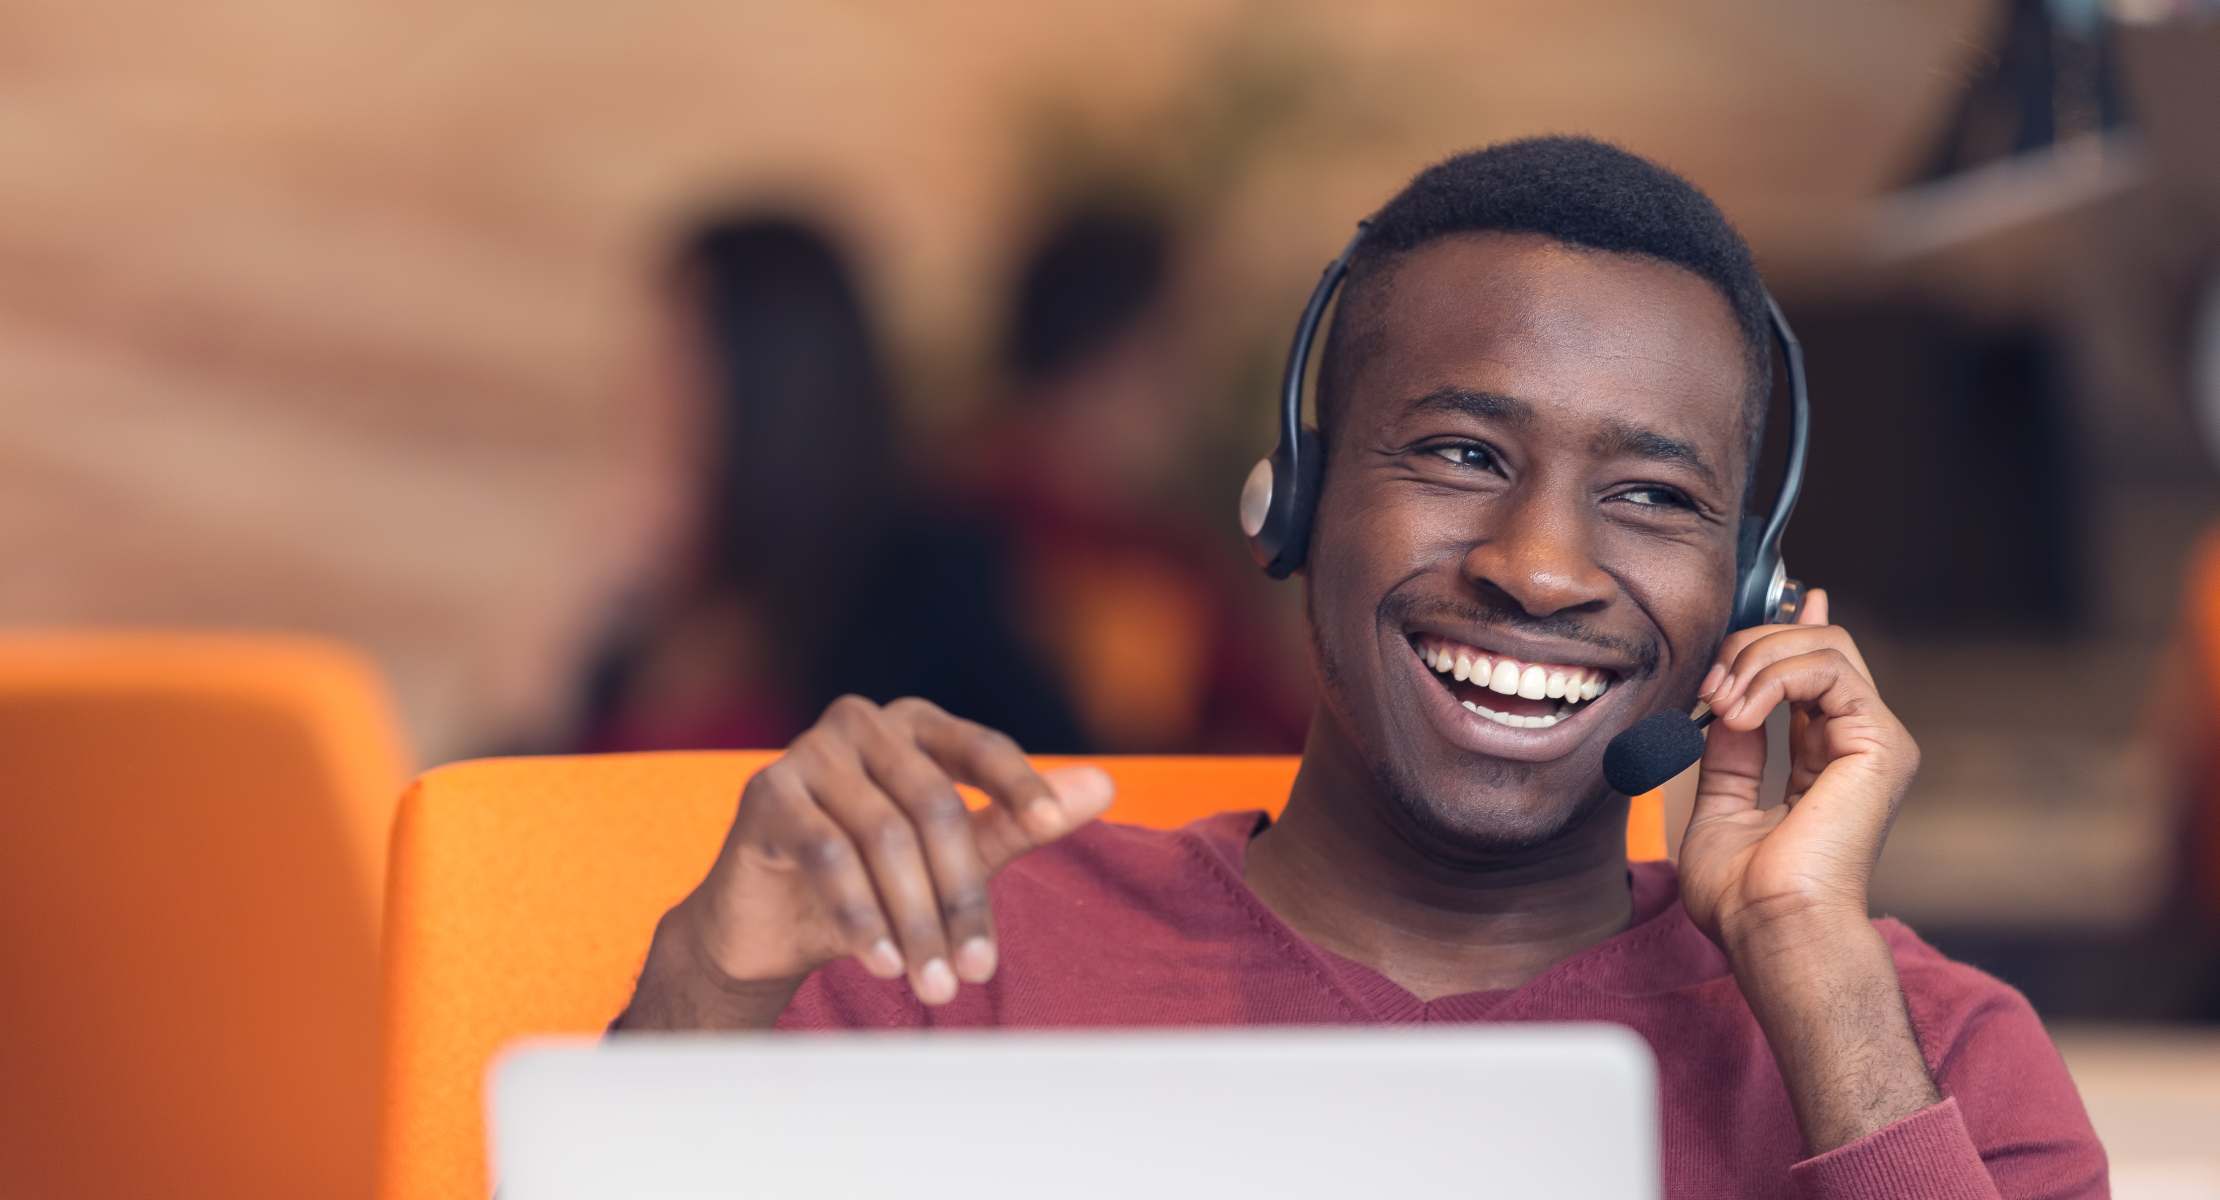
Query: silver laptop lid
[1521, 1110]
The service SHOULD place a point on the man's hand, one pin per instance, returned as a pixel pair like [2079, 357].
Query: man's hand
[1744, 867]
[1783, 889]
[855, 842]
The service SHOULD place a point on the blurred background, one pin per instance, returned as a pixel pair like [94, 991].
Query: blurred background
[642, 376]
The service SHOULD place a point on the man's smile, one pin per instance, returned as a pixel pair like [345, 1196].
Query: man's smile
[1509, 702]
[1506, 690]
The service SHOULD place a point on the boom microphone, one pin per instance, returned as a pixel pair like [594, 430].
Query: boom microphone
[1655, 749]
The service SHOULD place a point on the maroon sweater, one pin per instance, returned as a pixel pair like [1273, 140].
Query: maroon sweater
[1118, 926]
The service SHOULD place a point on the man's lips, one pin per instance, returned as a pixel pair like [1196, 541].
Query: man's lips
[1473, 715]
[1514, 692]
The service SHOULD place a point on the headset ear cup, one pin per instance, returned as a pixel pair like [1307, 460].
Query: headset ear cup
[1276, 505]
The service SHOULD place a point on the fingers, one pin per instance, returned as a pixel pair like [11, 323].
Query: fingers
[1734, 751]
[1837, 715]
[927, 796]
[1750, 651]
[865, 804]
[893, 851]
[1732, 768]
[1850, 729]
[1797, 671]
[1814, 611]
[1082, 793]
[1851, 741]
[1031, 810]
[806, 836]
[1807, 752]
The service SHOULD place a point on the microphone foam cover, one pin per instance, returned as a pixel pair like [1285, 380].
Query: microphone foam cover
[1657, 748]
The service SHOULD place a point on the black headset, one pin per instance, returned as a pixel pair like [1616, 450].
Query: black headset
[1281, 493]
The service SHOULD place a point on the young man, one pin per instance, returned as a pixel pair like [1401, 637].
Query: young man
[1540, 400]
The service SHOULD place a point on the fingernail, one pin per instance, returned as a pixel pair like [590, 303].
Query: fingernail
[1736, 712]
[1712, 679]
[936, 984]
[883, 960]
[975, 960]
[1097, 781]
[1046, 815]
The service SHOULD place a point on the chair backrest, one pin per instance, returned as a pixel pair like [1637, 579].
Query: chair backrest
[524, 891]
[190, 880]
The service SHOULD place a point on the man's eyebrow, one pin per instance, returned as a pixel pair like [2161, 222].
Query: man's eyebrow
[1485, 406]
[1620, 438]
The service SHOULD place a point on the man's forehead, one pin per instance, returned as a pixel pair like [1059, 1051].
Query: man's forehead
[1609, 339]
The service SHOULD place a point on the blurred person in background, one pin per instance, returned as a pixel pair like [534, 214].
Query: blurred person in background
[1127, 595]
[814, 566]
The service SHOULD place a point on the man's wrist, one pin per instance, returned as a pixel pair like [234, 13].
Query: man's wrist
[1823, 986]
[1797, 935]
[682, 988]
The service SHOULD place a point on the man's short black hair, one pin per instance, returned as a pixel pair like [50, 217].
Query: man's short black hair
[1575, 190]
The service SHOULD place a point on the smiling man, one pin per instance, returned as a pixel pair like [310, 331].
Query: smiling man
[1540, 401]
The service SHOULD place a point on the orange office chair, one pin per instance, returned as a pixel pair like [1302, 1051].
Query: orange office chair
[524, 892]
[190, 871]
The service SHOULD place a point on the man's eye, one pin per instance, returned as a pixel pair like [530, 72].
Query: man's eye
[1465, 454]
[1655, 497]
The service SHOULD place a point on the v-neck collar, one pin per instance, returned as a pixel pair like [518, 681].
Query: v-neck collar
[1221, 844]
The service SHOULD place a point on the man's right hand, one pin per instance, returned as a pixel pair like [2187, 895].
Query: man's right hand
[855, 842]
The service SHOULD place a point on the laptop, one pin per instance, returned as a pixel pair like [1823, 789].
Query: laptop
[1566, 1111]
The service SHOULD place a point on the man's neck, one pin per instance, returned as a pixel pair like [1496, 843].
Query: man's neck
[1335, 870]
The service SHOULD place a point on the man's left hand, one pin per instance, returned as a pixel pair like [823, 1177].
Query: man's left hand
[1783, 889]
[1807, 861]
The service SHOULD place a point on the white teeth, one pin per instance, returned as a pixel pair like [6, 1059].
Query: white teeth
[1573, 685]
[1513, 720]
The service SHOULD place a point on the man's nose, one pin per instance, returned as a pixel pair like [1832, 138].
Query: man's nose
[1540, 556]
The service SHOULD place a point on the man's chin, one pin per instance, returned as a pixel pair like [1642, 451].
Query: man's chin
[1495, 812]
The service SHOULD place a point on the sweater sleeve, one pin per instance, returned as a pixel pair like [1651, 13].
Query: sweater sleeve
[2010, 1125]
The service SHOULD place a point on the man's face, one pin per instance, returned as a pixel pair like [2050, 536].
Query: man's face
[1536, 472]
